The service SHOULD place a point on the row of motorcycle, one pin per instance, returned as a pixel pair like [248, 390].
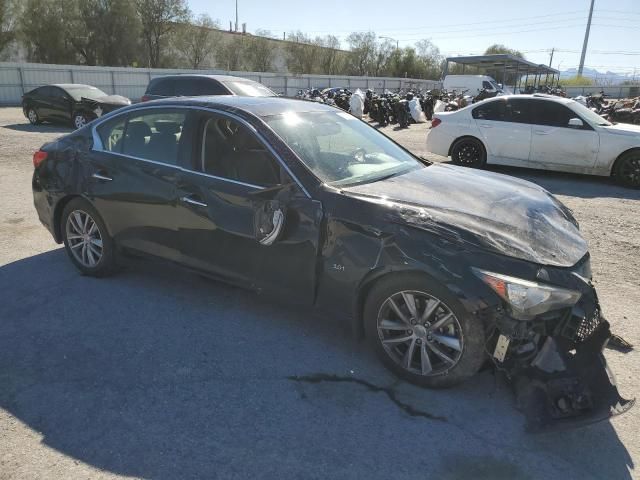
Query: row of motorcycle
[389, 108]
[625, 111]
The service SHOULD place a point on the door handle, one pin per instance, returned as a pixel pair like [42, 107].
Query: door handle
[99, 176]
[192, 201]
[484, 125]
[542, 132]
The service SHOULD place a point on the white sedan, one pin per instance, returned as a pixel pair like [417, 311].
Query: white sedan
[538, 131]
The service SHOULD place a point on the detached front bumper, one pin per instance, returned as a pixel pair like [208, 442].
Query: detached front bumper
[569, 388]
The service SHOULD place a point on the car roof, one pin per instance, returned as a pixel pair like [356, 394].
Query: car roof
[258, 106]
[220, 78]
[535, 96]
[65, 86]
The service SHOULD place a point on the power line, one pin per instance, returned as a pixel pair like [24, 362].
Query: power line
[426, 27]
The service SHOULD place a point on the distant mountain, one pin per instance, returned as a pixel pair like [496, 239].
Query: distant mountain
[611, 78]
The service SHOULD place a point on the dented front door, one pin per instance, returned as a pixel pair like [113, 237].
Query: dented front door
[267, 241]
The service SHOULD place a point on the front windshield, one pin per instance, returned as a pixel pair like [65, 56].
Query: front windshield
[589, 115]
[340, 149]
[92, 93]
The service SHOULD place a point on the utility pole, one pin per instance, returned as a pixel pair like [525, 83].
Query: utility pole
[586, 40]
[551, 59]
[237, 15]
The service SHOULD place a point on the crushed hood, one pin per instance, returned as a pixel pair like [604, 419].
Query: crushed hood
[508, 215]
[108, 100]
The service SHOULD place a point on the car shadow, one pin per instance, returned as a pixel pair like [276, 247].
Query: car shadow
[569, 184]
[157, 373]
[42, 128]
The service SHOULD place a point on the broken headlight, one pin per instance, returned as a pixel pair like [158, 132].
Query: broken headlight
[527, 299]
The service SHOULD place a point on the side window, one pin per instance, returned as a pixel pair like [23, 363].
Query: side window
[519, 111]
[57, 93]
[163, 87]
[487, 85]
[552, 114]
[112, 134]
[496, 111]
[185, 87]
[154, 135]
[231, 151]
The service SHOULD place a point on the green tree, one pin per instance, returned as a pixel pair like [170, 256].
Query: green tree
[159, 18]
[196, 40]
[7, 22]
[43, 31]
[498, 48]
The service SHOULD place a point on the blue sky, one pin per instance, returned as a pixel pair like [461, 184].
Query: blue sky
[461, 27]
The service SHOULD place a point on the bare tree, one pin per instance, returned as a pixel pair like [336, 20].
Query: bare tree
[259, 51]
[363, 51]
[196, 40]
[430, 55]
[159, 18]
[383, 54]
[229, 54]
[329, 54]
[301, 53]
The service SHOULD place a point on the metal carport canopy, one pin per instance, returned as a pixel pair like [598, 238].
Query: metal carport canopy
[505, 62]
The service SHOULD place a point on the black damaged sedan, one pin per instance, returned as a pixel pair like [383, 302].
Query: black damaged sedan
[442, 268]
[72, 103]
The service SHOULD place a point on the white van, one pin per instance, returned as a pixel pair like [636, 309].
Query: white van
[471, 83]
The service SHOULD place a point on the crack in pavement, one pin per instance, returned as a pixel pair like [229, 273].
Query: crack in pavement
[408, 409]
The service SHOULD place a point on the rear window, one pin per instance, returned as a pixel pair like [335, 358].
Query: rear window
[247, 88]
[163, 87]
[189, 87]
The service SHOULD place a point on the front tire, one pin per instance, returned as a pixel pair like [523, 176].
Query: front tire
[421, 332]
[33, 117]
[469, 152]
[86, 239]
[80, 119]
[627, 171]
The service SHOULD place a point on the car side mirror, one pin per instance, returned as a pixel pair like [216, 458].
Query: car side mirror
[575, 123]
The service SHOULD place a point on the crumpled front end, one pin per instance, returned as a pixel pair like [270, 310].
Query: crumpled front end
[556, 365]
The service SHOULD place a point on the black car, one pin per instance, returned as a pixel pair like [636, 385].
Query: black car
[204, 85]
[442, 268]
[70, 103]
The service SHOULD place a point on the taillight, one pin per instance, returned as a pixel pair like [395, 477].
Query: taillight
[38, 158]
[145, 98]
[435, 122]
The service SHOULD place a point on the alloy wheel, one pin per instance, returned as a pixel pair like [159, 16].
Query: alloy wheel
[630, 171]
[32, 115]
[79, 121]
[84, 238]
[420, 333]
[468, 154]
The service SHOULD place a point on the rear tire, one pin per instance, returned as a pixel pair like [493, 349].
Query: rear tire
[469, 152]
[87, 240]
[627, 169]
[447, 330]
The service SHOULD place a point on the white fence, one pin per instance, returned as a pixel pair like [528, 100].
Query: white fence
[18, 78]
